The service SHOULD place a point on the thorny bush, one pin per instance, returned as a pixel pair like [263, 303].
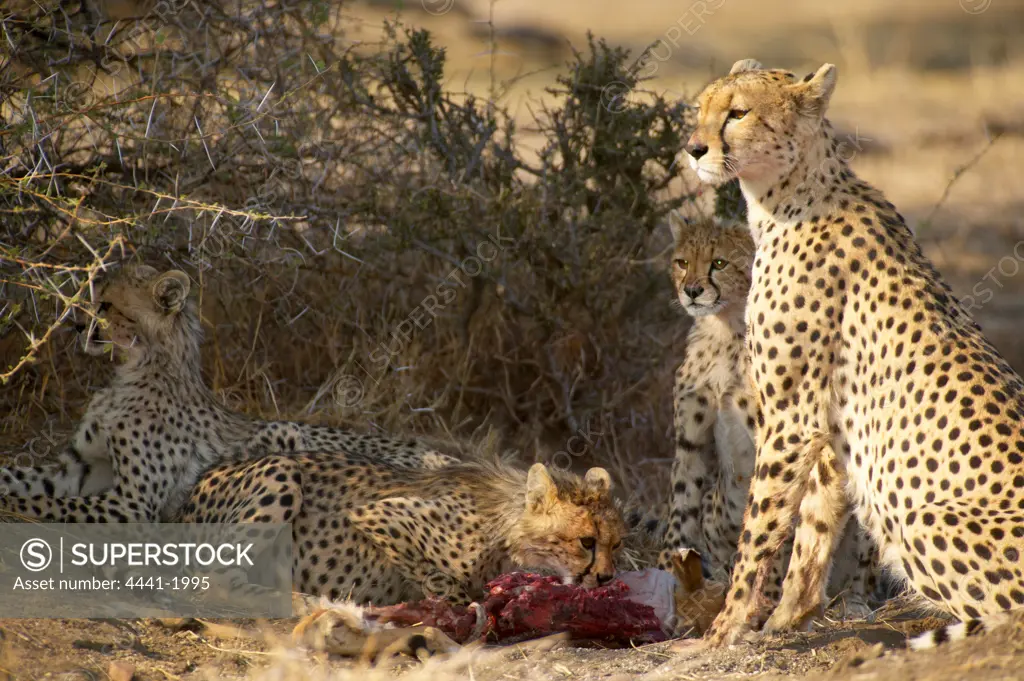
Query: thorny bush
[371, 248]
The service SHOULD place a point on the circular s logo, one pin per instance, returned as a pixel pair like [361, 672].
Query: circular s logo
[615, 96]
[437, 7]
[348, 391]
[36, 555]
[975, 6]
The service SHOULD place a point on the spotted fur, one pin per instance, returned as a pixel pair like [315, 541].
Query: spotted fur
[147, 437]
[716, 416]
[373, 532]
[874, 384]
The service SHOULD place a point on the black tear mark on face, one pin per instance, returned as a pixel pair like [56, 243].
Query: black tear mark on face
[593, 558]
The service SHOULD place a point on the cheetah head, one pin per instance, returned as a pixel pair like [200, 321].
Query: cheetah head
[138, 310]
[711, 265]
[755, 123]
[569, 525]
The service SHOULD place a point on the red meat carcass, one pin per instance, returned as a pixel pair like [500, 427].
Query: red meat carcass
[522, 605]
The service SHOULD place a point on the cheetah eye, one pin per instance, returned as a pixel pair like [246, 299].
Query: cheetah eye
[681, 264]
[719, 264]
[738, 114]
[588, 543]
[617, 546]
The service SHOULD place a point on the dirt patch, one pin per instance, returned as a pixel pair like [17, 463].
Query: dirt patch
[85, 649]
[75, 649]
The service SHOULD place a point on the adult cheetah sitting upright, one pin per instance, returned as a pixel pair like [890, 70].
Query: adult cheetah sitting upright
[372, 532]
[716, 414]
[873, 382]
[146, 438]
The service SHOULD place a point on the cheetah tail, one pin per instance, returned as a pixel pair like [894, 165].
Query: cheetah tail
[957, 632]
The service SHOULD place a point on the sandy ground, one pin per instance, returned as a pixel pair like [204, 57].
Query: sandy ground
[77, 650]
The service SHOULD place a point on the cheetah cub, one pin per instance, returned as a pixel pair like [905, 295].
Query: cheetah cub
[875, 385]
[716, 414]
[147, 437]
[373, 532]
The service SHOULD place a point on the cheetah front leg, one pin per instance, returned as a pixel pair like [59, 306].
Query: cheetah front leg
[791, 442]
[104, 507]
[783, 459]
[823, 514]
[694, 470]
[723, 519]
[854, 577]
[62, 479]
[130, 498]
[84, 468]
[726, 501]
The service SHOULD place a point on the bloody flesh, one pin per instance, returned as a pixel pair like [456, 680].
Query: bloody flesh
[522, 605]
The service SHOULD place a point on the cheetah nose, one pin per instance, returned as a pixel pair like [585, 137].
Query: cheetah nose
[605, 578]
[696, 150]
[693, 291]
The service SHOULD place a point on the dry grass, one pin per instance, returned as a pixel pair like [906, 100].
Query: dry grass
[84, 649]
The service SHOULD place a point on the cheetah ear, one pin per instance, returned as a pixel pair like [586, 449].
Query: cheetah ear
[598, 480]
[816, 89]
[678, 223]
[540, 488]
[170, 290]
[745, 65]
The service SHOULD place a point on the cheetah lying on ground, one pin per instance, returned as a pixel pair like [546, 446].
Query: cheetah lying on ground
[145, 439]
[372, 532]
[716, 415]
[873, 382]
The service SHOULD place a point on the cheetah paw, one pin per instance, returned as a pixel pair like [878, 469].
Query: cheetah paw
[784, 621]
[688, 647]
[851, 608]
[727, 632]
